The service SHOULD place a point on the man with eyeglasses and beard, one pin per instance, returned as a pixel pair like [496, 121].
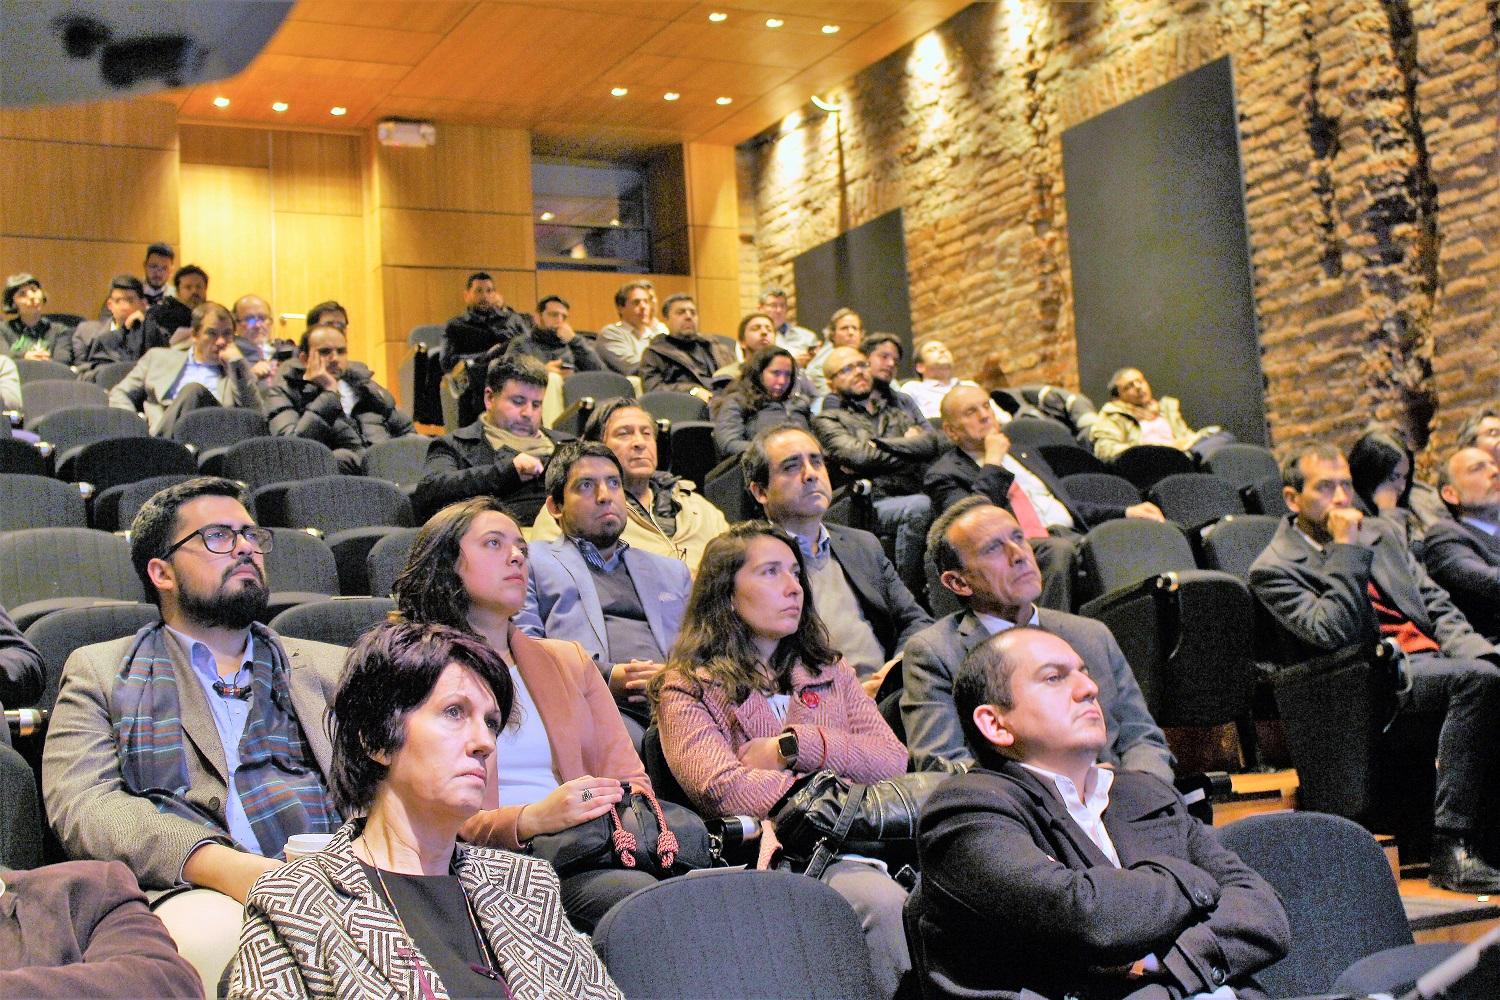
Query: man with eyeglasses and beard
[193, 749]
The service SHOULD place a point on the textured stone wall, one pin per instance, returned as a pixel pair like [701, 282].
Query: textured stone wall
[1369, 146]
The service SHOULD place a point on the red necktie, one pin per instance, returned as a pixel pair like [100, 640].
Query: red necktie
[1026, 515]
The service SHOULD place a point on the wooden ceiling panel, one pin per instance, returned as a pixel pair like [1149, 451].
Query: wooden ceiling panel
[355, 43]
[437, 16]
[649, 76]
[657, 10]
[840, 12]
[747, 45]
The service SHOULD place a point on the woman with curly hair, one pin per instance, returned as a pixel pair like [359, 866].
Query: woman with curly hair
[765, 395]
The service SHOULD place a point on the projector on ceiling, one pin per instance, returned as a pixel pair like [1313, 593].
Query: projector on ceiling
[399, 132]
[60, 51]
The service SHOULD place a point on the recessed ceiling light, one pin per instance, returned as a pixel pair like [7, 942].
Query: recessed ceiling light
[724, 100]
[279, 107]
[619, 91]
[830, 29]
[221, 102]
[670, 95]
[614, 222]
[718, 16]
[339, 111]
[774, 22]
[548, 216]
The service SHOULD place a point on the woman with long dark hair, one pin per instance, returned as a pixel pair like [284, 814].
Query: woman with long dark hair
[765, 395]
[1381, 464]
[753, 697]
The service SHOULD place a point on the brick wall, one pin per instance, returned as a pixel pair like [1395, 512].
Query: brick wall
[1369, 146]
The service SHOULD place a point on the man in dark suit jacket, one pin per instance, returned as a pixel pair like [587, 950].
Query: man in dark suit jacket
[120, 338]
[1046, 875]
[983, 461]
[682, 359]
[1332, 579]
[982, 558]
[1463, 554]
[869, 612]
[502, 454]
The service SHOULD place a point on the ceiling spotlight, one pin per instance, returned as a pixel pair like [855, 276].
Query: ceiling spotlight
[823, 105]
[221, 102]
[724, 100]
[774, 22]
[614, 222]
[830, 29]
[548, 216]
[718, 16]
[279, 107]
[670, 95]
[339, 111]
[618, 91]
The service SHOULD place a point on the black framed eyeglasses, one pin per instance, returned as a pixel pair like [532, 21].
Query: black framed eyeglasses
[220, 538]
[851, 367]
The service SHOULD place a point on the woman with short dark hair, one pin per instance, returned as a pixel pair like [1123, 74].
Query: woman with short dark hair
[567, 759]
[765, 395]
[394, 903]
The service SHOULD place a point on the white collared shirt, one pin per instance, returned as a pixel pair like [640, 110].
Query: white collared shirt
[994, 625]
[1048, 507]
[1087, 809]
[1481, 525]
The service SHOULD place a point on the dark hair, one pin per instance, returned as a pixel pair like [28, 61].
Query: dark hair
[984, 679]
[755, 464]
[1468, 434]
[316, 313]
[992, 372]
[714, 642]
[187, 270]
[569, 454]
[429, 589]
[520, 368]
[1372, 459]
[745, 321]
[203, 315]
[127, 283]
[541, 306]
[944, 555]
[622, 294]
[749, 386]
[152, 531]
[390, 671]
[874, 340]
[1114, 380]
[305, 341]
[1291, 463]
[477, 276]
[599, 420]
[161, 250]
[666, 307]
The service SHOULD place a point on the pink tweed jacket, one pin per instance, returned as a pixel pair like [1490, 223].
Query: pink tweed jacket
[838, 728]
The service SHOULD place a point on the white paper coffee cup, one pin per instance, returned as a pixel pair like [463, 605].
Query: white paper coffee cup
[300, 845]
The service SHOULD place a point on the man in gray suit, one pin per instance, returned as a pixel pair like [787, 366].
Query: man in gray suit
[208, 800]
[206, 370]
[623, 605]
[1462, 552]
[983, 558]
[1333, 579]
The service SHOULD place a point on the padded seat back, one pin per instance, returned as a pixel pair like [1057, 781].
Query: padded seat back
[674, 406]
[1236, 542]
[261, 460]
[388, 558]
[1033, 432]
[57, 635]
[28, 501]
[108, 376]
[601, 385]
[40, 564]
[340, 620]
[1070, 459]
[1146, 464]
[50, 395]
[400, 460]
[1102, 488]
[430, 334]
[218, 427]
[115, 508]
[1243, 464]
[727, 492]
[299, 561]
[115, 461]
[693, 450]
[76, 426]
[341, 503]
[37, 371]
[1118, 554]
[1265, 496]
[21, 457]
[1195, 499]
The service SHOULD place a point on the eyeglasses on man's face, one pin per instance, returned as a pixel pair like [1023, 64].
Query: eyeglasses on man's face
[220, 539]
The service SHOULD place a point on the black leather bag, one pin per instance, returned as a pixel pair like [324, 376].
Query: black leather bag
[824, 815]
[640, 833]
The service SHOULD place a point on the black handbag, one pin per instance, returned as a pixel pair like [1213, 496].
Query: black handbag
[824, 815]
[640, 833]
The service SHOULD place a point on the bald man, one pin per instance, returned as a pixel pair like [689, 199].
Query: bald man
[1463, 554]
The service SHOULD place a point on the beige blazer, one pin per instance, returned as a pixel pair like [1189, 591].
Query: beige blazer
[144, 389]
[87, 803]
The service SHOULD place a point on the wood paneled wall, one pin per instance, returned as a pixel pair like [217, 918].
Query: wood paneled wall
[83, 190]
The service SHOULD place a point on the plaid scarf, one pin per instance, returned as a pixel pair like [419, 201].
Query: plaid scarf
[278, 781]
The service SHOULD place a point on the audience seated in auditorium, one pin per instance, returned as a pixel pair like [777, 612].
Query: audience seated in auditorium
[1463, 553]
[170, 321]
[564, 763]
[395, 897]
[254, 332]
[1045, 874]
[621, 604]
[329, 313]
[755, 334]
[501, 454]
[1134, 416]
[1332, 578]
[869, 612]
[766, 394]
[845, 329]
[756, 695]
[664, 513]
[207, 370]
[27, 333]
[682, 359]
[621, 343]
[323, 396]
[982, 557]
[193, 749]
[555, 343]
[22, 673]
[83, 929]
[486, 322]
[801, 341]
[935, 366]
[1482, 431]
[98, 342]
[1381, 463]
[983, 461]
[871, 436]
[155, 269]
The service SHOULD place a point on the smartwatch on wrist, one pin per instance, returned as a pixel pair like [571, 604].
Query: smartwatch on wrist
[786, 745]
